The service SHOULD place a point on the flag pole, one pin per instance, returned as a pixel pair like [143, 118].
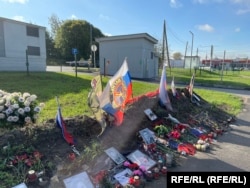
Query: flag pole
[101, 80]
[57, 101]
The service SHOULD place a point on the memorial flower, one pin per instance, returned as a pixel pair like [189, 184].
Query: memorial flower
[18, 109]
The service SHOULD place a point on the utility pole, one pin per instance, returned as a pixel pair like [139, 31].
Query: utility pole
[197, 52]
[191, 51]
[75, 65]
[247, 62]
[165, 45]
[222, 66]
[212, 48]
[90, 42]
[185, 55]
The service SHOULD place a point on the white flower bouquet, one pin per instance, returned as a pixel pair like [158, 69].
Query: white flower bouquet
[18, 108]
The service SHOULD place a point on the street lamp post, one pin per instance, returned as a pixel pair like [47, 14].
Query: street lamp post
[191, 50]
[94, 48]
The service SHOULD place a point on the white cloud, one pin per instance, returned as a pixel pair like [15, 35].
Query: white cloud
[205, 27]
[19, 18]
[73, 17]
[207, 1]
[16, 1]
[237, 29]
[240, 1]
[103, 17]
[200, 1]
[243, 11]
[244, 4]
[175, 4]
[108, 34]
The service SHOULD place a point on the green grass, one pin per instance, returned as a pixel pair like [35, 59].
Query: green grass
[231, 103]
[229, 78]
[73, 91]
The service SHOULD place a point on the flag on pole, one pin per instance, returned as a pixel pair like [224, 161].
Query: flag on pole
[173, 88]
[61, 124]
[117, 93]
[163, 94]
[96, 85]
[95, 92]
[191, 86]
[93, 101]
[190, 89]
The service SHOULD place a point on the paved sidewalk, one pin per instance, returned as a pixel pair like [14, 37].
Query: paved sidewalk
[232, 150]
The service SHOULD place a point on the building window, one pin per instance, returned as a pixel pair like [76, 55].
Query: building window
[32, 31]
[33, 50]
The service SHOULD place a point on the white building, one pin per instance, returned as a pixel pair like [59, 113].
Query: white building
[192, 62]
[178, 63]
[18, 39]
[137, 48]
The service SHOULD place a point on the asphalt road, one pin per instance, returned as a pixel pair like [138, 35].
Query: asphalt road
[60, 69]
[243, 93]
[231, 152]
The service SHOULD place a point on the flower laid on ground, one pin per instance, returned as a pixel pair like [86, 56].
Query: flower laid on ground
[18, 108]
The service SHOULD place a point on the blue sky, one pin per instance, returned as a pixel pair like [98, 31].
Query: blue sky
[225, 24]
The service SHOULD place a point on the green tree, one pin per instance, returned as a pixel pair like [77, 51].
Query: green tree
[177, 55]
[53, 54]
[75, 34]
[50, 49]
[55, 24]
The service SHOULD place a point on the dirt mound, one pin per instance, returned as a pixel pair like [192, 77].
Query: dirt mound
[57, 159]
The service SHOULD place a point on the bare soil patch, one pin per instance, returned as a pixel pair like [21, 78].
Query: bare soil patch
[55, 163]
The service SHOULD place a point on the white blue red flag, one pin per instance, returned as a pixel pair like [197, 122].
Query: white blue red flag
[116, 93]
[61, 124]
[173, 88]
[163, 93]
[191, 86]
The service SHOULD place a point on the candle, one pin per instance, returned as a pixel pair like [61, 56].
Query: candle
[71, 156]
[156, 173]
[160, 164]
[164, 170]
[148, 175]
[32, 176]
[136, 180]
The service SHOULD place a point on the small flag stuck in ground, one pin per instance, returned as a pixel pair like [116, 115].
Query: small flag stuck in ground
[66, 135]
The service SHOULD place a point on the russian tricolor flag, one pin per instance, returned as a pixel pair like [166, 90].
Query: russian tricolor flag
[61, 124]
[117, 93]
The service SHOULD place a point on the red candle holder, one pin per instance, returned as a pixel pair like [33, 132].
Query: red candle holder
[149, 175]
[164, 170]
[72, 156]
[136, 180]
[32, 176]
[156, 173]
